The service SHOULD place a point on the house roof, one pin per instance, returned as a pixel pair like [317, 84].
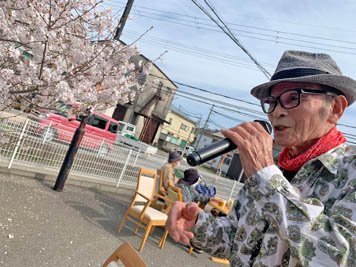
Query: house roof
[146, 58]
[179, 113]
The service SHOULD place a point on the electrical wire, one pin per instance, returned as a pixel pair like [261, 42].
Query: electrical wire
[201, 55]
[221, 24]
[207, 91]
[210, 101]
[175, 14]
[197, 50]
[276, 38]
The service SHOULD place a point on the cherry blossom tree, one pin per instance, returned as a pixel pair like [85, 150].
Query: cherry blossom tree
[54, 51]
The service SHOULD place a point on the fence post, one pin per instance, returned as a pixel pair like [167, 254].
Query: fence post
[240, 176]
[18, 143]
[138, 153]
[100, 147]
[235, 183]
[124, 168]
[46, 134]
[232, 190]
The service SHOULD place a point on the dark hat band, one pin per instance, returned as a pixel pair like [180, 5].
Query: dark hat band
[295, 73]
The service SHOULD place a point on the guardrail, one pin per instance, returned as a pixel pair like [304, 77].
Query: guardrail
[21, 142]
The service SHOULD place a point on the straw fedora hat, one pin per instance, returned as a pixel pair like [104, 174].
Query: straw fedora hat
[299, 66]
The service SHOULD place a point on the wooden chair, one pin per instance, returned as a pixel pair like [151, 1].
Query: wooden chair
[161, 190]
[159, 204]
[174, 194]
[140, 211]
[127, 255]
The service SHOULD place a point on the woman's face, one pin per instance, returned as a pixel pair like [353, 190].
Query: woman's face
[298, 128]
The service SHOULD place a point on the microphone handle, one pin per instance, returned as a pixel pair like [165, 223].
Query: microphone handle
[212, 151]
[218, 148]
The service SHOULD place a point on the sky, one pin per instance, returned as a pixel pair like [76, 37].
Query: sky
[199, 54]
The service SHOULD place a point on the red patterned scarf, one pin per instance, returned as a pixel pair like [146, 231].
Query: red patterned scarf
[324, 144]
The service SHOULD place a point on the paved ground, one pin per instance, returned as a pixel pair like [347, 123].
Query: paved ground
[77, 227]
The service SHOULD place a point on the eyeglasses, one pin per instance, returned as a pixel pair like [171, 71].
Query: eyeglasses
[289, 99]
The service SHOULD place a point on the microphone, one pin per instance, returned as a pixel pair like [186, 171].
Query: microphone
[218, 148]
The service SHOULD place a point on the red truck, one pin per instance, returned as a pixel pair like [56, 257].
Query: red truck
[100, 131]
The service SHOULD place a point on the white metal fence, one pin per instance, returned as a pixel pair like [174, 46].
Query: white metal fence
[23, 143]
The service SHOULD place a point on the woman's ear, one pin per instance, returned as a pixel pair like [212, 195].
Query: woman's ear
[338, 106]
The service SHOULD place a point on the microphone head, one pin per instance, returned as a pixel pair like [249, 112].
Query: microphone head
[266, 125]
[193, 159]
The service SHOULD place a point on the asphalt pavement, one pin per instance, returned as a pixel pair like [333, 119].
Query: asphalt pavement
[76, 227]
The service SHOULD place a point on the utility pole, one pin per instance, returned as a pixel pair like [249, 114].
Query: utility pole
[71, 154]
[123, 19]
[206, 124]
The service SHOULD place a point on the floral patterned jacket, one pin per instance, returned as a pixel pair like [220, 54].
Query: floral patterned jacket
[309, 221]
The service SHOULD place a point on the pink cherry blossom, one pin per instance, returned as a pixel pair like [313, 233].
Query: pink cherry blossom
[55, 51]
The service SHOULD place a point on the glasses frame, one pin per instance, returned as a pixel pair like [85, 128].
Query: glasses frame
[300, 91]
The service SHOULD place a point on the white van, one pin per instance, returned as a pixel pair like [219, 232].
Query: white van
[126, 129]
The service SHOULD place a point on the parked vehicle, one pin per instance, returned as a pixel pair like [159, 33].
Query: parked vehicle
[57, 126]
[133, 142]
[185, 151]
[126, 129]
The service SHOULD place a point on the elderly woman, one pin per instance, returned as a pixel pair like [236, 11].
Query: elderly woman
[187, 185]
[303, 212]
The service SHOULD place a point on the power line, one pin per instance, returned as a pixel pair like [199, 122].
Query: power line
[201, 55]
[217, 106]
[224, 103]
[214, 101]
[207, 91]
[197, 50]
[276, 39]
[225, 108]
[353, 127]
[196, 19]
[229, 117]
[222, 25]
[191, 114]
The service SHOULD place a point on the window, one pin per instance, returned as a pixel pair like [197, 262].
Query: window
[113, 127]
[98, 122]
[130, 129]
[184, 127]
[227, 161]
[80, 117]
[121, 126]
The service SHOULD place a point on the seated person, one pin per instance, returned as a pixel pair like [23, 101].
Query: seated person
[167, 172]
[187, 184]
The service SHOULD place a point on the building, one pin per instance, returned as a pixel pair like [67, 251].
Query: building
[179, 133]
[207, 137]
[150, 107]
